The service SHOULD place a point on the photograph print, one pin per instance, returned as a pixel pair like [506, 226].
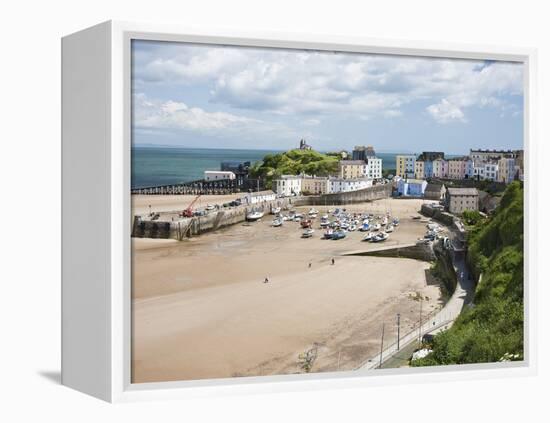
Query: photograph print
[304, 211]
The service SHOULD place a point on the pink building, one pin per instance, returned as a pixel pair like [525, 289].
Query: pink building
[440, 168]
[458, 168]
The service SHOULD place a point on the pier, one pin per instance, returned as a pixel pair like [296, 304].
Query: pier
[203, 187]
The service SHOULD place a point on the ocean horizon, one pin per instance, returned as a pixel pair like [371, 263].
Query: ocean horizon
[166, 165]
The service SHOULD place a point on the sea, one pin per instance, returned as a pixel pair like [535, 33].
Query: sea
[153, 166]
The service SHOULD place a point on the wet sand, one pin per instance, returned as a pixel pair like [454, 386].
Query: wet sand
[201, 308]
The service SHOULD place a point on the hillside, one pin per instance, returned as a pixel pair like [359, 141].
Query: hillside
[294, 162]
[492, 329]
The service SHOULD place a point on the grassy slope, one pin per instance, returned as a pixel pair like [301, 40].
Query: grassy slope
[294, 162]
[493, 327]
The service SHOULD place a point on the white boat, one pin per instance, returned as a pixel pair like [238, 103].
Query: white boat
[308, 233]
[324, 223]
[368, 237]
[276, 210]
[276, 223]
[384, 221]
[328, 234]
[324, 217]
[210, 207]
[376, 227]
[313, 212]
[352, 228]
[254, 215]
[389, 228]
[382, 236]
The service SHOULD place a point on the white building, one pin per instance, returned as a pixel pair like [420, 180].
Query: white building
[491, 171]
[288, 185]
[258, 197]
[216, 175]
[346, 185]
[374, 168]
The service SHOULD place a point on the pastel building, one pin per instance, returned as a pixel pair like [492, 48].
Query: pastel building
[411, 187]
[288, 185]
[440, 168]
[353, 169]
[315, 185]
[459, 168]
[419, 169]
[405, 165]
[507, 170]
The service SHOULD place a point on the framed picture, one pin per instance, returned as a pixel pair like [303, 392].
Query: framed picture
[244, 213]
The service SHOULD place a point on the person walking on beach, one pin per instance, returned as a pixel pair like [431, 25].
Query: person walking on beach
[309, 265]
[266, 280]
[332, 261]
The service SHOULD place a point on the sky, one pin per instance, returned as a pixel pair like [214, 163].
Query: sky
[209, 96]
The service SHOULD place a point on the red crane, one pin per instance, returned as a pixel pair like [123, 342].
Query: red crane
[188, 212]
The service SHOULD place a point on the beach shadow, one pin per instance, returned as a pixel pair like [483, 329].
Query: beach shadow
[53, 376]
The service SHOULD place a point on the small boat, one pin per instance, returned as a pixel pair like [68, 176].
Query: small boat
[324, 217]
[276, 210]
[365, 227]
[210, 207]
[395, 222]
[324, 223]
[389, 228]
[276, 223]
[376, 227]
[253, 216]
[384, 221]
[368, 236]
[308, 233]
[338, 235]
[313, 213]
[417, 217]
[382, 236]
[352, 228]
[344, 225]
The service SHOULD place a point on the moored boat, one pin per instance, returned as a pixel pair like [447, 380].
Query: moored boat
[276, 223]
[254, 215]
[338, 234]
[308, 233]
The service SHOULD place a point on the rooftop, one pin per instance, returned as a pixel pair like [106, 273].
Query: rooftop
[352, 162]
[434, 187]
[462, 191]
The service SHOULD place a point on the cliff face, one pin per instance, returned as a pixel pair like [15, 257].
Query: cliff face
[492, 329]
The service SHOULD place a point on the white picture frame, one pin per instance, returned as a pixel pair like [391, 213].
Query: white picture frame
[96, 227]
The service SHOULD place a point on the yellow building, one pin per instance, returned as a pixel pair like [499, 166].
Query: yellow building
[405, 165]
[352, 169]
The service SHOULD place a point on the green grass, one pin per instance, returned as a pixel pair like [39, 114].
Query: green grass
[493, 326]
[294, 162]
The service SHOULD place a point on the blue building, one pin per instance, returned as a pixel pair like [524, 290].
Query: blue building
[411, 187]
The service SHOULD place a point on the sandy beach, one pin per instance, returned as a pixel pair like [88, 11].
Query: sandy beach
[201, 308]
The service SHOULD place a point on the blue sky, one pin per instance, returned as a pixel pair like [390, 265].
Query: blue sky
[192, 95]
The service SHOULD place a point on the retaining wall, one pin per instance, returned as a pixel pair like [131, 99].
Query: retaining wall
[422, 252]
[376, 192]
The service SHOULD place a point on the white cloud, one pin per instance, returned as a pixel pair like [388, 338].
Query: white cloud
[445, 112]
[284, 82]
[152, 114]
